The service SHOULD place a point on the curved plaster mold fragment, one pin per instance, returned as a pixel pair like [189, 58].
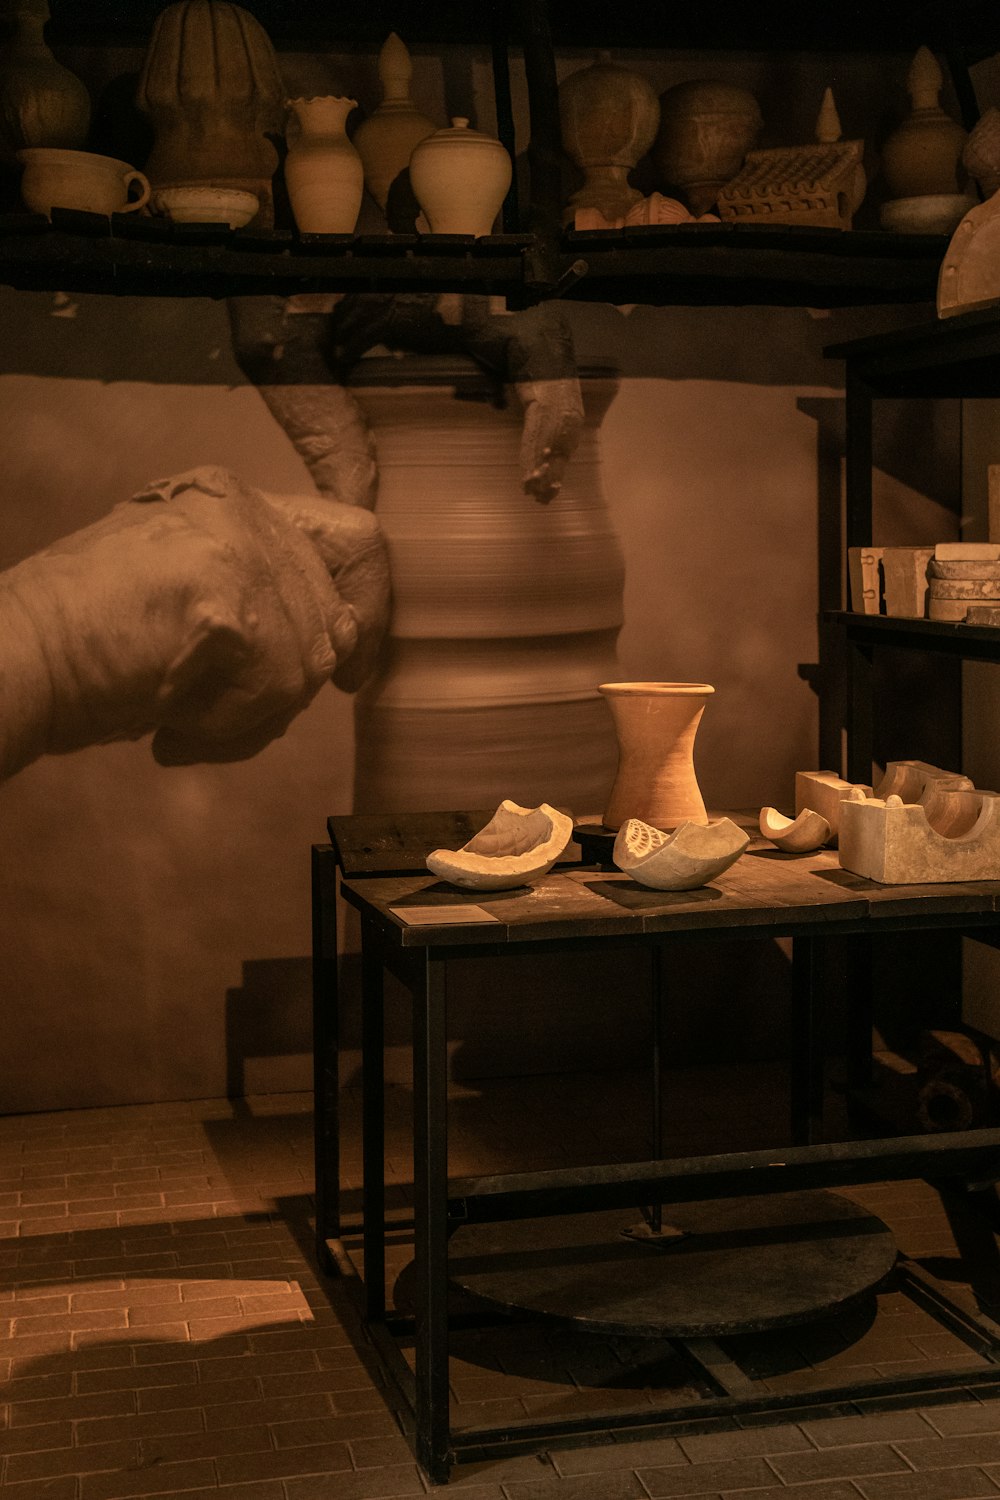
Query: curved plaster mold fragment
[692, 855]
[807, 830]
[517, 845]
[823, 792]
[893, 842]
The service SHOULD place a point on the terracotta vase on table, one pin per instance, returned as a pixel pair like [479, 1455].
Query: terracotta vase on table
[656, 724]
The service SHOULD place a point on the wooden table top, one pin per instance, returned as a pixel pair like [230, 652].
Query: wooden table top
[764, 891]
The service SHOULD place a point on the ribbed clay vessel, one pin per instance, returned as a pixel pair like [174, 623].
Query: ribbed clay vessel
[505, 612]
[656, 724]
[211, 88]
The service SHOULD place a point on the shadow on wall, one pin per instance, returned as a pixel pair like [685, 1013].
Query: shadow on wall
[497, 1028]
[143, 339]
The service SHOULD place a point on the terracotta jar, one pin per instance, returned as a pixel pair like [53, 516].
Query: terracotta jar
[706, 130]
[923, 155]
[460, 177]
[656, 724]
[505, 612]
[323, 171]
[211, 88]
[41, 102]
[608, 116]
[387, 139]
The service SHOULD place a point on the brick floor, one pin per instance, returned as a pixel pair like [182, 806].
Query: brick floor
[164, 1329]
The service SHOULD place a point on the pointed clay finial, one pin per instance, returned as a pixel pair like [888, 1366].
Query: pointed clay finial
[924, 80]
[395, 67]
[828, 127]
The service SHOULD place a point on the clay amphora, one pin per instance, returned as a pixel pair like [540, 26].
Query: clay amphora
[656, 723]
[460, 178]
[41, 102]
[923, 155]
[81, 180]
[608, 116]
[386, 140]
[210, 85]
[323, 171]
[706, 130]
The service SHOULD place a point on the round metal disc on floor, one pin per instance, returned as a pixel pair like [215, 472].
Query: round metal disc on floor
[741, 1265]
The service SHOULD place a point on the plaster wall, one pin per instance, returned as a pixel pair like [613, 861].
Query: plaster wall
[154, 924]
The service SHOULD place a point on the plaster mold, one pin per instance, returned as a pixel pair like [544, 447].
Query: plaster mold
[894, 843]
[823, 792]
[806, 831]
[691, 856]
[518, 845]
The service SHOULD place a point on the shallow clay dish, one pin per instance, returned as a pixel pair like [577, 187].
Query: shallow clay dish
[206, 205]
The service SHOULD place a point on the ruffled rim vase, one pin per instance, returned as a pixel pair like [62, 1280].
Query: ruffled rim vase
[656, 724]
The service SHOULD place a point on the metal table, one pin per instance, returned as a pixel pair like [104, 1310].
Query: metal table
[576, 909]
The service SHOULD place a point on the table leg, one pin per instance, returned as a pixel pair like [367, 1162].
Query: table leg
[326, 1040]
[858, 1012]
[656, 1021]
[430, 1216]
[807, 1044]
[373, 1118]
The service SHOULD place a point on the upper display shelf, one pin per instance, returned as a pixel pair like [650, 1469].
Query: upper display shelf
[673, 204]
[767, 25]
[686, 264]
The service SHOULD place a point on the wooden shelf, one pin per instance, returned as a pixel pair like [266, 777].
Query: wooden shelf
[768, 25]
[975, 642]
[958, 356]
[687, 264]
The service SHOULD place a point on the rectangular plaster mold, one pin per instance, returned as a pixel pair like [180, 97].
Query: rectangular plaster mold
[924, 824]
[866, 586]
[904, 581]
[823, 792]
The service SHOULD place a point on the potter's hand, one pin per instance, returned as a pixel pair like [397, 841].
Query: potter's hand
[553, 420]
[199, 610]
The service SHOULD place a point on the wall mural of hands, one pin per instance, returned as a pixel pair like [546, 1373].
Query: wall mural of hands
[201, 611]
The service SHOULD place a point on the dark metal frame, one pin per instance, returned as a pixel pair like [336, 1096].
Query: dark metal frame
[440, 1205]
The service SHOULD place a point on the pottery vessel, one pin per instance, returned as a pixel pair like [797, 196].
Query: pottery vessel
[928, 213]
[205, 205]
[41, 102]
[387, 139]
[323, 171]
[505, 612]
[923, 155]
[981, 152]
[211, 89]
[706, 130]
[608, 115]
[81, 180]
[460, 177]
[656, 724]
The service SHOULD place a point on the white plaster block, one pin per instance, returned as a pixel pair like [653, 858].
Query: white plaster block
[893, 843]
[863, 565]
[967, 551]
[904, 581]
[823, 792]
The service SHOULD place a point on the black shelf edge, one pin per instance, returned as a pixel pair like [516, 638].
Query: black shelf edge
[980, 642]
[674, 265]
[953, 356]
